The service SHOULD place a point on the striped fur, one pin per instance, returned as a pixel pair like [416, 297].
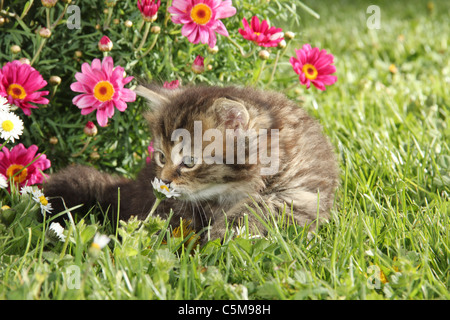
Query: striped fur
[307, 170]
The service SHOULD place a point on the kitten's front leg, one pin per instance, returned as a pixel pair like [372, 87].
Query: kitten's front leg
[234, 217]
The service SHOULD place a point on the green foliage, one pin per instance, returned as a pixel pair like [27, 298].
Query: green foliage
[388, 236]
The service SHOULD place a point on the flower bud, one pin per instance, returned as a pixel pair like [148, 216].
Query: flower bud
[198, 65]
[2, 21]
[282, 44]
[78, 54]
[105, 44]
[49, 3]
[45, 33]
[213, 50]
[149, 9]
[15, 49]
[90, 129]
[155, 30]
[53, 140]
[128, 24]
[94, 155]
[24, 60]
[55, 80]
[264, 54]
[289, 35]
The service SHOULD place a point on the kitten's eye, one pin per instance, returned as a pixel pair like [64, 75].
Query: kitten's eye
[189, 162]
[161, 159]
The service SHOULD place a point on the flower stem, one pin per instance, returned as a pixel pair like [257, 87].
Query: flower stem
[63, 251]
[151, 46]
[135, 34]
[108, 19]
[144, 38]
[241, 50]
[150, 214]
[60, 17]
[258, 76]
[280, 54]
[79, 153]
[275, 64]
[47, 13]
[152, 211]
[167, 16]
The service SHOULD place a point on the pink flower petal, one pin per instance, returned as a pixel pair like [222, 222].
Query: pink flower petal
[102, 119]
[127, 95]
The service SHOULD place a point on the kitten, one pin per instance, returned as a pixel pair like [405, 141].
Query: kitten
[222, 149]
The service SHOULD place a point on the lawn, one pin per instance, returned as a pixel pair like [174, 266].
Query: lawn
[388, 118]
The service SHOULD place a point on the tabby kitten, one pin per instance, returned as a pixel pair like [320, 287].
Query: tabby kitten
[222, 149]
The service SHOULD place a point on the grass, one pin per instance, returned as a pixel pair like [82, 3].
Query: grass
[388, 237]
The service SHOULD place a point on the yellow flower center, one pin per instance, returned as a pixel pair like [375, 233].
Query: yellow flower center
[310, 71]
[16, 91]
[201, 14]
[165, 188]
[12, 171]
[7, 125]
[95, 245]
[257, 33]
[43, 200]
[103, 91]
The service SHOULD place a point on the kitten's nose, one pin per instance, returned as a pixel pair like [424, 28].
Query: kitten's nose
[166, 181]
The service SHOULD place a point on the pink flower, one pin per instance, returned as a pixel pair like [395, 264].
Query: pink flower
[198, 66]
[19, 84]
[261, 34]
[149, 9]
[201, 19]
[17, 165]
[102, 88]
[314, 67]
[150, 152]
[105, 44]
[171, 85]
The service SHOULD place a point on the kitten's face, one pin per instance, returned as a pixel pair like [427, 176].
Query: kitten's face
[195, 177]
[195, 173]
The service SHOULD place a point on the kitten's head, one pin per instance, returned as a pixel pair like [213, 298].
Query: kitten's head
[192, 152]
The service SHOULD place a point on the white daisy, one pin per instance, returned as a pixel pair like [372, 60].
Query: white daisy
[11, 127]
[3, 182]
[26, 190]
[100, 241]
[4, 105]
[39, 197]
[163, 190]
[55, 231]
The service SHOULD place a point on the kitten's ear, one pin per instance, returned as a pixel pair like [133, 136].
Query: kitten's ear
[234, 114]
[155, 95]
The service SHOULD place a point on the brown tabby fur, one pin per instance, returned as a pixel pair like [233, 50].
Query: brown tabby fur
[216, 193]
